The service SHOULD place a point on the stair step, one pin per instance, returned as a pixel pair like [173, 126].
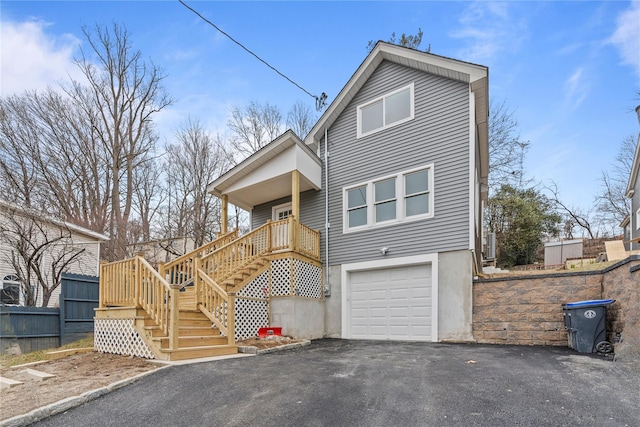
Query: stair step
[203, 351]
[194, 331]
[193, 341]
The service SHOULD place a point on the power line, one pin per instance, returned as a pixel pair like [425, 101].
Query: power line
[320, 100]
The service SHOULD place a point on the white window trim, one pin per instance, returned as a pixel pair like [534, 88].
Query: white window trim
[638, 219]
[400, 201]
[276, 208]
[383, 97]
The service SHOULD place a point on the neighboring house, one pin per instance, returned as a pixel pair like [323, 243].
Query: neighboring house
[163, 250]
[394, 175]
[24, 226]
[633, 192]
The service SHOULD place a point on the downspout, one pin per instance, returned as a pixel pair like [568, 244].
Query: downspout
[327, 286]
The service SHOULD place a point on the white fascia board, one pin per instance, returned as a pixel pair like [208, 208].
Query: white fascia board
[386, 263]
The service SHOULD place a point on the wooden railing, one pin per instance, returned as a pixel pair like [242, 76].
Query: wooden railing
[135, 283]
[118, 283]
[308, 241]
[230, 258]
[180, 270]
[214, 302]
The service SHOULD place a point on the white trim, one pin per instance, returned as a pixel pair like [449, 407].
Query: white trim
[386, 263]
[276, 208]
[472, 169]
[383, 98]
[638, 219]
[401, 216]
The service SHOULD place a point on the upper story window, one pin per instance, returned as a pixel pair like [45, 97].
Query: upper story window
[389, 110]
[405, 196]
[638, 219]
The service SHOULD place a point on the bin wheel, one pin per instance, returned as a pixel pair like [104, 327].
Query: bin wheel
[604, 347]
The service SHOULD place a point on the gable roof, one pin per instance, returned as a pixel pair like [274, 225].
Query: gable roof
[6, 206]
[265, 174]
[476, 75]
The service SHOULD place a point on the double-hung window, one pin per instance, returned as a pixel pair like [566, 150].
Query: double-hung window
[405, 196]
[389, 110]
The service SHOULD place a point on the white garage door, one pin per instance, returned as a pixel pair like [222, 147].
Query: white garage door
[391, 304]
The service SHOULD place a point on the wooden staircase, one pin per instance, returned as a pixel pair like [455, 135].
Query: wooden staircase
[173, 321]
[196, 336]
[240, 278]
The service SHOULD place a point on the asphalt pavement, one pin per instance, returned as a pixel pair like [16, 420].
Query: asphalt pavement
[366, 383]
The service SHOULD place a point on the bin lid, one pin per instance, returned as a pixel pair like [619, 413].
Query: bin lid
[589, 303]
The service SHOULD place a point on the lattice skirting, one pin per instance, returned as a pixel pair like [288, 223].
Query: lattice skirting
[304, 280]
[286, 277]
[119, 336]
[250, 314]
[307, 279]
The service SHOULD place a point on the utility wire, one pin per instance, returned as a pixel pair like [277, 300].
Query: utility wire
[320, 101]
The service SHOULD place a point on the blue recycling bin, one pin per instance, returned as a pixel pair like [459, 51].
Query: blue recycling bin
[586, 325]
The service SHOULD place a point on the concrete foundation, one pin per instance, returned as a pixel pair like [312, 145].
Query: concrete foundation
[301, 318]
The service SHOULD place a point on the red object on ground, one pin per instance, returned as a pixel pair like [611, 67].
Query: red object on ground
[273, 330]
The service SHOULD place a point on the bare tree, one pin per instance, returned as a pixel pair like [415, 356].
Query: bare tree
[253, 127]
[612, 205]
[49, 160]
[191, 164]
[149, 194]
[412, 41]
[125, 91]
[300, 119]
[573, 216]
[506, 150]
[39, 252]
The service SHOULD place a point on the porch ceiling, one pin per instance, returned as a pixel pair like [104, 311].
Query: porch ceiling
[266, 175]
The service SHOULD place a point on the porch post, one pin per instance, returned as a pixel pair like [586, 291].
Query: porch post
[295, 194]
[225, 214]
[295, 210]
[174, 310]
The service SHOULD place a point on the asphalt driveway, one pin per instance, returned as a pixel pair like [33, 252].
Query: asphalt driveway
[364, 383]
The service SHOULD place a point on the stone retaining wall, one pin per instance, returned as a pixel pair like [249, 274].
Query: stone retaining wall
[527, 310]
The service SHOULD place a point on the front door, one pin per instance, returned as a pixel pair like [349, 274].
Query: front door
[280, 232]
[281, 211]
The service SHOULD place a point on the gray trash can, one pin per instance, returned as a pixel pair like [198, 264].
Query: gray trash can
[586, 324]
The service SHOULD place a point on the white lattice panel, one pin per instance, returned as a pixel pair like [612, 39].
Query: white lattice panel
[308, 279]
[257, 288]
[250, 316]
[281, 277]
[119, 336]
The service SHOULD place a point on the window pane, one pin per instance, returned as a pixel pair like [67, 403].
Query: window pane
[385, 211]
[385, 190]
[416, 182]
[357, 217]
[416, 205]
[371, 116]
[398, 106]
[10, 294]
[357, 197]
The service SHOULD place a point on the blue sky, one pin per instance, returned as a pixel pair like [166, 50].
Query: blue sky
[570, 70]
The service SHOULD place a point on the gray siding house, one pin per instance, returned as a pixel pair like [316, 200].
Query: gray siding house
[394, 176]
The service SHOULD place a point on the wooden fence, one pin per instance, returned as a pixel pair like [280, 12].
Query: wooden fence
[26, 329]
